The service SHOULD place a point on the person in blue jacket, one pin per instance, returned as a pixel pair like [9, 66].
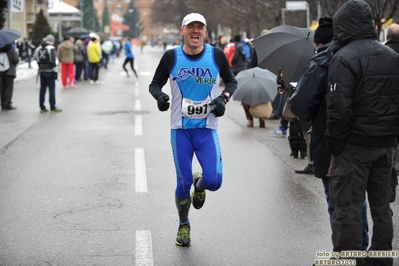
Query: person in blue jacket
[129, 57]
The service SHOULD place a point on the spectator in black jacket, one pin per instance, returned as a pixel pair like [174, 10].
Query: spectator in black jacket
[7, 77]
[393, 37]
[308, 104]
[362, 130]
[393, 42]
[46, 56]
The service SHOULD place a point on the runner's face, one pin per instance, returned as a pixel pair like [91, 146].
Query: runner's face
[193, 34]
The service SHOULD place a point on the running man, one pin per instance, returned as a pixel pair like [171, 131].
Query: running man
[194, 71]
[129, 57]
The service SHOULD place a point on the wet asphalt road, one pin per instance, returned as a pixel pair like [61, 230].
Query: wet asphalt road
[94, 185]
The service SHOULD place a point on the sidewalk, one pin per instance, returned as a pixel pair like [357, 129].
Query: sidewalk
[24, 72]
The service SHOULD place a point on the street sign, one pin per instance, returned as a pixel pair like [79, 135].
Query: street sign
[296, 5]
[17, 6]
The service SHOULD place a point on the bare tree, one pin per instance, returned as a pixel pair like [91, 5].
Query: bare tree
[252, 16]
[383, 10]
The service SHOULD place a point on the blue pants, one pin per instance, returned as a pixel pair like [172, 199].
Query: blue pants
[86, 69]
[104, 60]
[283, 121]
[47, 79]
[204, 143]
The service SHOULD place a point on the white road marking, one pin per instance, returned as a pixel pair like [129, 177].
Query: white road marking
[138, 127]
[141, 176]
[144, 255]
[137, 105]
[137, 92]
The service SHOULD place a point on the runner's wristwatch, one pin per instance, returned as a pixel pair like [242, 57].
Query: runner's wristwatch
[226, 96]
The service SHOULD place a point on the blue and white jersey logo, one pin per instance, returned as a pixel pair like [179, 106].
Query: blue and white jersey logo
[200, 75]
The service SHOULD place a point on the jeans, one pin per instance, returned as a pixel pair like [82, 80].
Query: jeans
[94, 71]
[104, 60]
[47, 79]
[283, 121]
[86, 69]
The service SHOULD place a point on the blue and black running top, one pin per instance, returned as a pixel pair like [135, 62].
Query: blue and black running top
[194, 82]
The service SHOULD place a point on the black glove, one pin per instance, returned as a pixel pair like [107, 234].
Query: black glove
[280, 82]
[335, 147]
[163, 103]
[220, 106]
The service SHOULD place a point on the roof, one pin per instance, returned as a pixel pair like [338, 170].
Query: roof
[64, 8]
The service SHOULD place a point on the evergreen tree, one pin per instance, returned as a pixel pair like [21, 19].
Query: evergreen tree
[90, 20]
[41, 28]
[106, 21]
[131, 18]
[96, 23]
[3, 13]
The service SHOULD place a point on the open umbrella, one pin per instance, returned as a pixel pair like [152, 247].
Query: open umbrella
[287, 48]
[255, 86]
[78, 31]
[103, 37]
[8, 36]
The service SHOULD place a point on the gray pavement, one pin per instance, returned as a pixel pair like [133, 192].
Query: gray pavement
[94, 185]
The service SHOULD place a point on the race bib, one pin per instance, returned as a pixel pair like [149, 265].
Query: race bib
[196, 109]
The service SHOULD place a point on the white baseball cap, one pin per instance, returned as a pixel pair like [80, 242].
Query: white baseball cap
[193, 17]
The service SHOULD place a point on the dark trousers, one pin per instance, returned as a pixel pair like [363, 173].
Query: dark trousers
[6, 89]
[104, 60]
[78, 70]
[47, 79]
[94, 69]
[86, 70]
[354, 172]
[131, 61]
[331, 208]
[296, 138]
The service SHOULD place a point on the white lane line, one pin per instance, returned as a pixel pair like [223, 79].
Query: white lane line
[138, 125]
[137, 92]
[141, 177]
[137, 105]
[144, 255]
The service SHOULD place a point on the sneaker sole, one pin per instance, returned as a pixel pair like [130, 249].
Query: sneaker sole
[182, 245]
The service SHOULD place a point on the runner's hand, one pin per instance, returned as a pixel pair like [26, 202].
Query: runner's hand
[163, 102]
[220, 106]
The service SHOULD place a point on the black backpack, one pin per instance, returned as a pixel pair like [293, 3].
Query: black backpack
[44, 56]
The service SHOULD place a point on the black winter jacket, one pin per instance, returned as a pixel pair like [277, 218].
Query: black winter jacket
[363, 97]
[308, 103]
[238, 62]
[394, 44]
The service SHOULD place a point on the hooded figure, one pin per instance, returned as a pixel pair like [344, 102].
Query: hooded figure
[362, 130]
[308, 104]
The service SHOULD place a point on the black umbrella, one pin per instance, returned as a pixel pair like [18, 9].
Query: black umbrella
[78, 31]
[8, 36]
[255, 86]
[103, 37]
[287, 48]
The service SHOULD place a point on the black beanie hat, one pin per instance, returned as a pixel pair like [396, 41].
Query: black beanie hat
[324, 33]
